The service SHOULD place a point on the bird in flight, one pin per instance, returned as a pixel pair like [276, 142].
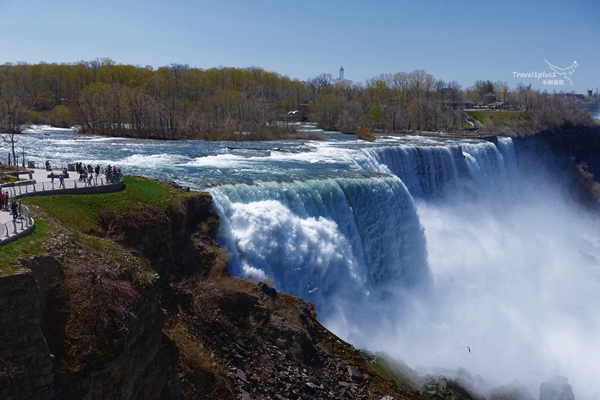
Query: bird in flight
[311, 289]
[468, 348]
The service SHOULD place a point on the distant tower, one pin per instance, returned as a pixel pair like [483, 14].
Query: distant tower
[341, 73]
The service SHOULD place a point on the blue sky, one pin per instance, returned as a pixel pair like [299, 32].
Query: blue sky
[460, 40]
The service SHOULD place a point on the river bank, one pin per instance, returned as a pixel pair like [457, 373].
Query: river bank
[174, 241]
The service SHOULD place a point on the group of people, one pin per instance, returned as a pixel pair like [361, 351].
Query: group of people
[113, 174]
[15, 205]
[86, 173]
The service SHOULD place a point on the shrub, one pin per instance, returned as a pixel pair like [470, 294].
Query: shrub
[100, 305]
[365, 134]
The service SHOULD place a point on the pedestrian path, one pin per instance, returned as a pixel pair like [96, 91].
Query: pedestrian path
[40, 182]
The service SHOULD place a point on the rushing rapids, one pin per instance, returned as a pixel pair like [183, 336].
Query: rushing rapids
[415, 246]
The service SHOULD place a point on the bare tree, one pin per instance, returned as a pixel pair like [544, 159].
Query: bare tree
[11, 120]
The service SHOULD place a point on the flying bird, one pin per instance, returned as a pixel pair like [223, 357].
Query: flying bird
[311, 290]
[468, 348]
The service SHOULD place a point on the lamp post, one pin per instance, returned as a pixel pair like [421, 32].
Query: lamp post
[17, 163]
[23, 156]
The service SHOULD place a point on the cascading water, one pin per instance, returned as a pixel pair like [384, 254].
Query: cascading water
[358, 240]
[449, 243]
[482, 223]
[439, 170]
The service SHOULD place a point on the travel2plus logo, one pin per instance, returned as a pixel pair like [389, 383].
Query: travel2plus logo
[558, 76]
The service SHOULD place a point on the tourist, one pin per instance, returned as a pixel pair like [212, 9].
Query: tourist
[48, 166]
[6, 197]
[1, 199]
[61, 178]
[13, 207]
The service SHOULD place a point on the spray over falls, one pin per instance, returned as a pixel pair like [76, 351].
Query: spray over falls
[452, 248]
[420, 247]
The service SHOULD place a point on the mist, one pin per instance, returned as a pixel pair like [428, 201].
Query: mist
[461, 245]
[516, 278]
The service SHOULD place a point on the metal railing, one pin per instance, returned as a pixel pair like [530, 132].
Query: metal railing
[23, 223]
[31, 188]
[19, 224]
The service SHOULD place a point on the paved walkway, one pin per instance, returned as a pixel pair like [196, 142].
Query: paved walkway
[41, 183]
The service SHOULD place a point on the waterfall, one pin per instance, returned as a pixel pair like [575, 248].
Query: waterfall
[355, 239]
[435, 171]
[445, 244]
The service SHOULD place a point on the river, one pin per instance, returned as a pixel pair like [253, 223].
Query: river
[416, 246]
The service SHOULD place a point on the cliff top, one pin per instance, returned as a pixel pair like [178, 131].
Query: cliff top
[83, 213]
[154, 243]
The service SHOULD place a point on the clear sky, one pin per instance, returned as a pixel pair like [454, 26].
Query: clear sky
[460, 40]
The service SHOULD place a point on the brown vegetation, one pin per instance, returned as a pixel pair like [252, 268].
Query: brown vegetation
[179, 102]
[365, 134]
[100, 302]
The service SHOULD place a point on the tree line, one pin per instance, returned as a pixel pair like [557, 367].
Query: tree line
[177, 102]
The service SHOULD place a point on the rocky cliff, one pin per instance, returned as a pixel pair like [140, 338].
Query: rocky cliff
[146, 309]
[571, 155]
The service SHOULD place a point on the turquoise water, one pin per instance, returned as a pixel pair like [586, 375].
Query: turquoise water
[417, 246]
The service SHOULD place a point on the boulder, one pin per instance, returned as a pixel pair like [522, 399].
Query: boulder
[514, 391]
[556, 388]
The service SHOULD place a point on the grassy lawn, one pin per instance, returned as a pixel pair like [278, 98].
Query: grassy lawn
[80, 213]
[23, 248]
[496, 119]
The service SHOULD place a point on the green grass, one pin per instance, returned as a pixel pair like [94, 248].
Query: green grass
[8, 179]
[112, 251]
[495, 119]
[476, 115]
[23, 248]
[81, 212]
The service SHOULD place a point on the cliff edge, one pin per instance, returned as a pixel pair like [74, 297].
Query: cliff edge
[134, 301]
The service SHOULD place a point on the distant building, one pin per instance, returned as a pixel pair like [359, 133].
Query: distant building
[489, 98]
[341, 74]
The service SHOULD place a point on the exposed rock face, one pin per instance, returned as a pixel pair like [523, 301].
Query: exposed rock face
[225, 338]
[441, 387]
[571, 155]
[32, 333]
[170, 239]
[557, 388]
[27, 368]
[268, 345]
[145, 368]
[514, 391]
